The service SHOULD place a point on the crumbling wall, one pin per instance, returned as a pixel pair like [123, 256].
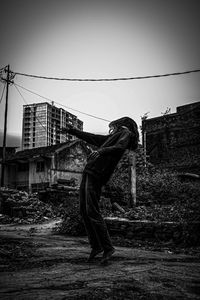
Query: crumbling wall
[173, 140]
[69, 163]
[152, 231]
[71, 159]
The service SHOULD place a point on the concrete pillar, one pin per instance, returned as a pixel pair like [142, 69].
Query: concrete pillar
[132, 166]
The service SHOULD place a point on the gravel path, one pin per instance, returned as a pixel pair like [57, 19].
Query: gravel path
[37, 264]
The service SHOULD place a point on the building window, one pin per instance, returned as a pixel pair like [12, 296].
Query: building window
[40, 166]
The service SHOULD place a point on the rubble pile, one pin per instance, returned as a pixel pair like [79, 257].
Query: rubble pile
[23, 208]
[64, 185]
[72, 222]
[60, 193]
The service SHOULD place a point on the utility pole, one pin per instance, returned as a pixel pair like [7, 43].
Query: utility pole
[5, 127]
[145, 147]
[144, 137]
[132, 168]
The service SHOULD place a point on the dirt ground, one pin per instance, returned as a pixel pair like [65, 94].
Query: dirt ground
[38, 264]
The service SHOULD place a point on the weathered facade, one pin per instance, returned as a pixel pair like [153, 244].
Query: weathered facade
[41, 167]
[173, 140]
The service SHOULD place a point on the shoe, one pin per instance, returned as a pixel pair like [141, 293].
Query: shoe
[94, 253]
[107, 255]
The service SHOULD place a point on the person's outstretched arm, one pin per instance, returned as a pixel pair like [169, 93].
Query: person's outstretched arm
[93, 139]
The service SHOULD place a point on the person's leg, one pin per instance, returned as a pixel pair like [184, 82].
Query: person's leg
[93, 192]
[90, 230]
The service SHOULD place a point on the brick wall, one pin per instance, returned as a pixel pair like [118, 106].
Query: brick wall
[173, 140]
[149, 231]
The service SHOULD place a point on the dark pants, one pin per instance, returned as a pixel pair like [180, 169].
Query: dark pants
[90, 191]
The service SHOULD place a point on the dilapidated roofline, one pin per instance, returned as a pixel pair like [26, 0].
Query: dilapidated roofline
[44, 152]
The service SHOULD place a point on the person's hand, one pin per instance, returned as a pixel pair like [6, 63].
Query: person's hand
[94, 155]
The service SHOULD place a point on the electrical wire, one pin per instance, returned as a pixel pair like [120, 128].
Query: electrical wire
[2, 93]
[108, 79]
[27, 104]
[32, 110]
[67, 107]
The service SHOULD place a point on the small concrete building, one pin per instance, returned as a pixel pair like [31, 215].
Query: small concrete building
[38, 168]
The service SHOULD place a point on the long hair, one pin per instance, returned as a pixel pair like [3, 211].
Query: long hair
[132, 126]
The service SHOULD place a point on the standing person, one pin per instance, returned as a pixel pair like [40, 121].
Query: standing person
[101, 163]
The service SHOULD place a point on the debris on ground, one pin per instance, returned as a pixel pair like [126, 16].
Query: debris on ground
[69, 186]
[48, 266]
[23, 208]
[16, 253]
[27, 208]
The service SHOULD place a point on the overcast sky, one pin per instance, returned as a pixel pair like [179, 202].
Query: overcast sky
[101, 39]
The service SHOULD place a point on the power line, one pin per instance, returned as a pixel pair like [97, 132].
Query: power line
[108, 79]
[32, 110]
[50, 100]
[27, 104]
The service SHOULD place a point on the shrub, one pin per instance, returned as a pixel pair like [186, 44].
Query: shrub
[164, 187]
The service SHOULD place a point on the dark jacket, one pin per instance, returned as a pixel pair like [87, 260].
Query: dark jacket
[111, 149]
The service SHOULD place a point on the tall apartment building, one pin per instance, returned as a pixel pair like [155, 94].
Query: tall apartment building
[42, 123]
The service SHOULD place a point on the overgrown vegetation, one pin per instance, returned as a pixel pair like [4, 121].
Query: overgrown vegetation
[161, 197]
[164, 187]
